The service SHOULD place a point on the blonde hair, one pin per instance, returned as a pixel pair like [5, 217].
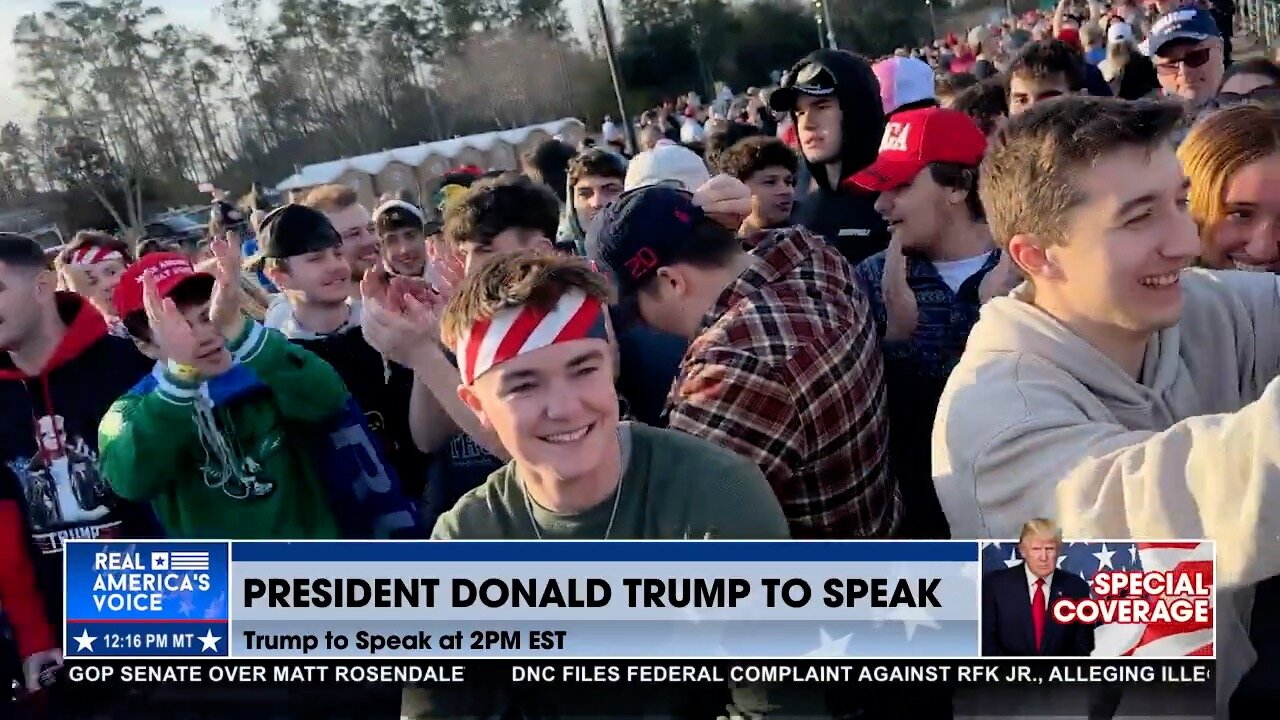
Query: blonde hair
[331, 198]
[1040, 528]
[1216, 149]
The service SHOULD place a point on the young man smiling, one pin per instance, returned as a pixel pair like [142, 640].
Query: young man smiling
[768, 167]
[595, 180]
[1117, 391]
[352, 221]
[531, 338]
[400, 226]
[302, 255]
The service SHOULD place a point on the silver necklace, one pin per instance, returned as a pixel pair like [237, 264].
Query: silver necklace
[613, 514]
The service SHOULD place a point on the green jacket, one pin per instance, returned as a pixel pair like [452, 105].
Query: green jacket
[225, 458]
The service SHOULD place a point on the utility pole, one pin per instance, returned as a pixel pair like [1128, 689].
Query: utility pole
[825, 7]
[933, 19]
[704, 78]
[611, 55]
[817, 20]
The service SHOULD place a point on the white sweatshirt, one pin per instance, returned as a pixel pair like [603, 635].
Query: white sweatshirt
[1035, 422]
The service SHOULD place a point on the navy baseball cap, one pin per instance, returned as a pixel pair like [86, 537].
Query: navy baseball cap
[1189, 23]
[640, 232]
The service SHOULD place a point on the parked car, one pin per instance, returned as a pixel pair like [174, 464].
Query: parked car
[178, 228]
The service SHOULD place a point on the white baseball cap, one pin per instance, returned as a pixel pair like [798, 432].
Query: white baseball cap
[1119, 32]
[903, 80]
[667, 164]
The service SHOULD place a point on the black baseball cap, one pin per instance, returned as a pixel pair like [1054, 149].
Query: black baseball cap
[640, 232]
[292, 230]
[807, 77]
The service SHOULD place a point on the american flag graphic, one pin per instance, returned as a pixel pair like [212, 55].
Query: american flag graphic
[1189, 639]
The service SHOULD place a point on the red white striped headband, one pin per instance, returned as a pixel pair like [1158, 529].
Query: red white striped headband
[515, 331]
[93, 255]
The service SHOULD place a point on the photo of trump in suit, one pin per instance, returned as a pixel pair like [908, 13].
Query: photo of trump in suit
[1017, 602]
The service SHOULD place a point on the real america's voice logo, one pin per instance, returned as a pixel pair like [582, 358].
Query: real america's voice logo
[153, 599]
[119, 586]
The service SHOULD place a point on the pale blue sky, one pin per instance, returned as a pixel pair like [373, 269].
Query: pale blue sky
[14, 105]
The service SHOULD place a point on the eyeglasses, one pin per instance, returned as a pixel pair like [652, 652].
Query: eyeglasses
[1193, 59]
[1268, 95]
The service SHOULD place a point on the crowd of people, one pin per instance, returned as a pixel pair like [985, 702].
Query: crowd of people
[932, 295]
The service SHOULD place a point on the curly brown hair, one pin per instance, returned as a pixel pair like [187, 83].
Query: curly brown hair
[494, 205]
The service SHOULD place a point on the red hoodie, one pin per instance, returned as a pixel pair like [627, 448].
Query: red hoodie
[86, 372]
[19, 595]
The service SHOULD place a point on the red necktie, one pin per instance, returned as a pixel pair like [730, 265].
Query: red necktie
[1038, 612]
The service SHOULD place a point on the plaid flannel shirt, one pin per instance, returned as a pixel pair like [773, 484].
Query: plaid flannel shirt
[787, 371]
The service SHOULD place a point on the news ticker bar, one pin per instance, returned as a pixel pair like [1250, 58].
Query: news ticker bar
[955, 673]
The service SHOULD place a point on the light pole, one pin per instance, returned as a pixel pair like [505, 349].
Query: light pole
[933, 20]
[610, 55]
[825, 7]
[817, 20]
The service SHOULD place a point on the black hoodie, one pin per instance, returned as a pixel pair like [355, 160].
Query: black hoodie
[49, 441]
[847, 217]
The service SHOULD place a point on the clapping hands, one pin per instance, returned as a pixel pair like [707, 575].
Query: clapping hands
[399, 315]
[224, 304]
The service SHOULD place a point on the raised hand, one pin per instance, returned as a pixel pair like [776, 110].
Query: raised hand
[224, 305]
[901, 311]
[725, 199]
[39, 667]
[1001, 280]
[170, 331]
[451, 267]
[399, 316]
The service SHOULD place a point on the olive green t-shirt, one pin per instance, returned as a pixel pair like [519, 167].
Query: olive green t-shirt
[675, 487]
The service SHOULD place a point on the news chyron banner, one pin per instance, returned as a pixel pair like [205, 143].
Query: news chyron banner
[1120, 599]
[662, 600]
[565, 599]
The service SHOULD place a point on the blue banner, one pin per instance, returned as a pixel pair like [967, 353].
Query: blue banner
[532, 600]
[157, 599]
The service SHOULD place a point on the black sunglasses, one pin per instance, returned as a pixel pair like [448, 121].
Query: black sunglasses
[810, 79]
[1193, 59]
[1267, 94]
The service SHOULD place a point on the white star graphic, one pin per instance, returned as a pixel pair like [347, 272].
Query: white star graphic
[1061, 559]
[913, 618]
[1104, 557]
[209, 641]
[185, 607]
[1013, 558]
[830, 647]
[84, 641]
